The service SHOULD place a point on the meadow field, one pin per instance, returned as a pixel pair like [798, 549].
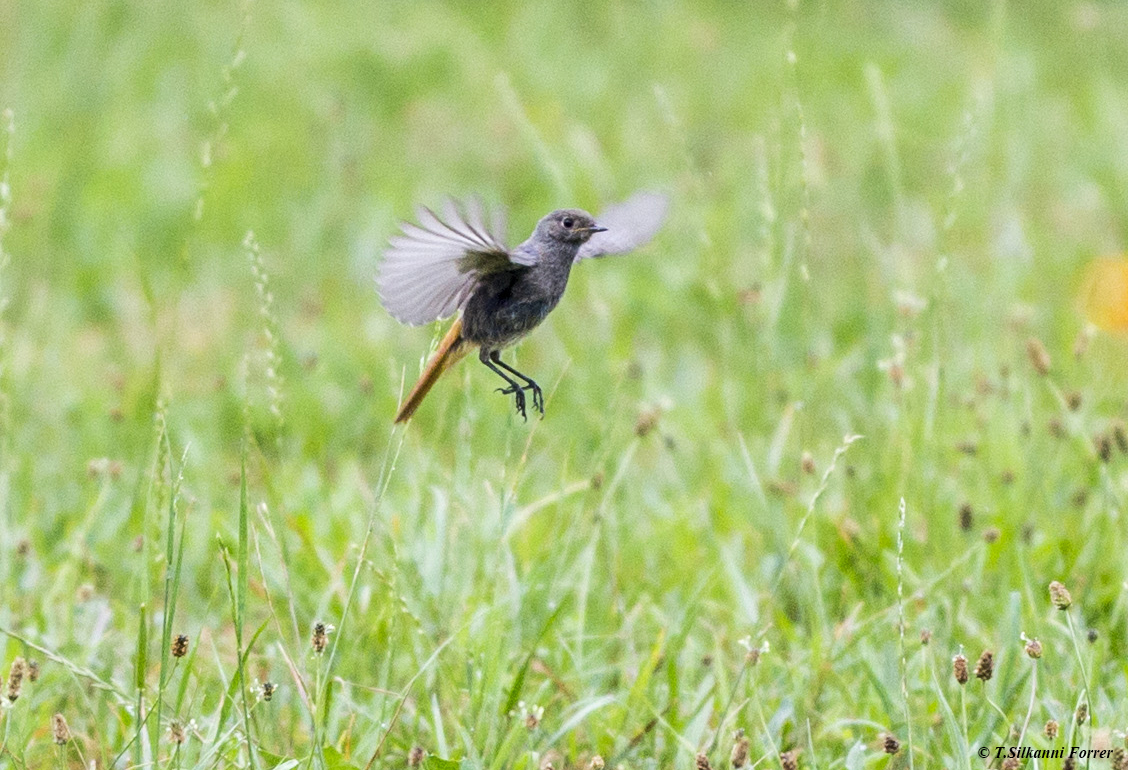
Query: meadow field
[825, 441]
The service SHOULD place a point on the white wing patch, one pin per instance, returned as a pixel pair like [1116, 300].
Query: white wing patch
[629, 224]
[428, 271]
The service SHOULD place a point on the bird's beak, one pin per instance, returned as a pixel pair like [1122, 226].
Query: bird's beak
[596, 229]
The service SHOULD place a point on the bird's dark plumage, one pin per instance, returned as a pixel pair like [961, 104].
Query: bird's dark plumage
[459, 262]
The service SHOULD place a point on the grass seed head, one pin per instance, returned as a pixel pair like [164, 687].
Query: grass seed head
[596, 763]
[1051, 729]
[1120, 436]
[965, 517]
[177, 733]
[1082, 714]
[783, 488]
[1082, 340]
[1073, 400]
[415, 756]
[789, 760]
[1103, 444]
[959, 669]
[531, 715]
[1119, 759]
[1059, 595]
[739, 755]
[15, 678]
[1033, 648]
[807, 463]
[268, 689]
[969, 447]
[751, 295]
[180, 646]
[320, 637]
[60, 730]
[897, 375]
[33, 670]
[1011, 763]
[646, 422]
[702, 763]
[1038, 355]
[890, 744]
[985, 666]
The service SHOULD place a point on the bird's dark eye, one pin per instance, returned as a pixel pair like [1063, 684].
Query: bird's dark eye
[568, 222]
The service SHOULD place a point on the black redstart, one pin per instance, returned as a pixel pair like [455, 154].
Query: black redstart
[443, 265]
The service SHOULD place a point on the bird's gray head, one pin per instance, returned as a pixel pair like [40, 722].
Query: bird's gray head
[568, 226]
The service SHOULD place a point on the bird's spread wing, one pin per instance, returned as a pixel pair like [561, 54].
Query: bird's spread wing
[629, 224]
[430, 269]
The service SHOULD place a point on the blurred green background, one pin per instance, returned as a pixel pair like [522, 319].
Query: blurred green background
[875, 206]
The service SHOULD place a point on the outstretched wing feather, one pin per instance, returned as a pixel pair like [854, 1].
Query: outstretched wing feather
[430, 269]
[629, 224]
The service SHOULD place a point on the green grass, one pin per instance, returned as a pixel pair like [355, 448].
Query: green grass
[197, 383]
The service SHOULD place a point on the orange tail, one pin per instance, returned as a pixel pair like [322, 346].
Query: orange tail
[451, 349]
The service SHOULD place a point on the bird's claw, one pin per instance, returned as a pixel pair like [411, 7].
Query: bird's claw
[519, 396]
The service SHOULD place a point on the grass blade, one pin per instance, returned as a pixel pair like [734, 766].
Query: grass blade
[519, 680]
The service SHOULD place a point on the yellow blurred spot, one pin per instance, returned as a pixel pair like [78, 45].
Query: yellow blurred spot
[1104, 293]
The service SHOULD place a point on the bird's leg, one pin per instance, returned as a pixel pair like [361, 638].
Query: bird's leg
[515, 387]
[538, 396]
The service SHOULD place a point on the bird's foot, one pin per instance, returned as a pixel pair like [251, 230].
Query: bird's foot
[538, 397]
[518, 396]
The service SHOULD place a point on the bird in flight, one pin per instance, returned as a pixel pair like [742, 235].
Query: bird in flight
[457, 263]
